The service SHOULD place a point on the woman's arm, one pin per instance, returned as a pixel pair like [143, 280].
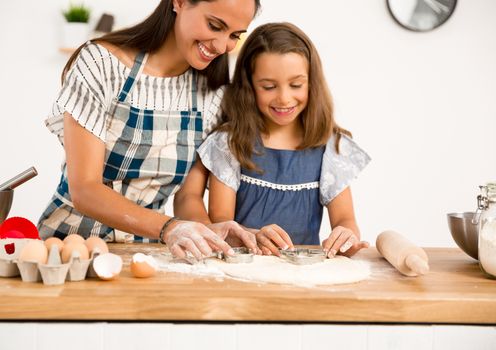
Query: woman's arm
[345, 235]
[188, 203]
[85, 160]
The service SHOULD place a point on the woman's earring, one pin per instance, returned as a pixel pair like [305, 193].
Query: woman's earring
[174, 10]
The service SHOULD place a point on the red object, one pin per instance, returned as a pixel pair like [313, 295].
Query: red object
[17, 227]
[9, 248]
[13, 234]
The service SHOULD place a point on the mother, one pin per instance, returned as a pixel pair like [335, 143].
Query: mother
[133, 107]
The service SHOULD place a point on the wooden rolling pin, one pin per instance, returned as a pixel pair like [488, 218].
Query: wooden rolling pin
[405, 256]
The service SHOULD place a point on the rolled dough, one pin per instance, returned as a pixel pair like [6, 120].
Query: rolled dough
[271, 269]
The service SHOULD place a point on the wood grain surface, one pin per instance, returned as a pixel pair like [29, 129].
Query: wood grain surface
[454, 291]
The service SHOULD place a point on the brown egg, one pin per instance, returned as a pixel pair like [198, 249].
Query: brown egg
[107, 266]
[69, 248]
[97, 243]
[143, 266]
[73, 238]
[54, 240]
[34, 251]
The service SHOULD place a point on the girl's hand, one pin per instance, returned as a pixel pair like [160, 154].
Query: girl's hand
[236, 235]
[343, 241]
[188, 236]
[271, 238]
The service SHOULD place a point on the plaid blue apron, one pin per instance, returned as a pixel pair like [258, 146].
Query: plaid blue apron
[148, 155]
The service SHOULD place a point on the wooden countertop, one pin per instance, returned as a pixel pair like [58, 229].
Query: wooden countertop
[455, 291]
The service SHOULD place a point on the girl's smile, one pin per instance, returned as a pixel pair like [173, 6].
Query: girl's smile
[283, 112]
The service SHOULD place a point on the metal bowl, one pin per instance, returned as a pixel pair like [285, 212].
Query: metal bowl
[464, 233]
[5, 203]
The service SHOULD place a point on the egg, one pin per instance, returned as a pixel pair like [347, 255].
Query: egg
[54, 240]
[70, 248]
[97, 244]
[34, 251]
[107, 266]
[73, 238]
[143, 266]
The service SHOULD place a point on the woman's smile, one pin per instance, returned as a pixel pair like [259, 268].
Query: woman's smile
[206, 54]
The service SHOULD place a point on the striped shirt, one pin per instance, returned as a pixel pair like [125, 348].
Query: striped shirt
[151, 127]
[97, 77]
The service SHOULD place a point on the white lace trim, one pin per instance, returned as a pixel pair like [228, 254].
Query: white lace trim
[297, 187]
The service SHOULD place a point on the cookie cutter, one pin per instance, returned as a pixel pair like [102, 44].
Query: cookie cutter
[303, 256]
[241, 255]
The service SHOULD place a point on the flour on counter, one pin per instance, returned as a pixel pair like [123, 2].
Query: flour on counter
[200, 269]
[270, 269]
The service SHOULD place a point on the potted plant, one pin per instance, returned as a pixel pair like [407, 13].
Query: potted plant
[76, 28]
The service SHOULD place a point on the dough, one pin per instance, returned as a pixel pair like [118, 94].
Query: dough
[275, 270]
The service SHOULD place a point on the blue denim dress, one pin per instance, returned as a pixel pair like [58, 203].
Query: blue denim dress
[294, 185]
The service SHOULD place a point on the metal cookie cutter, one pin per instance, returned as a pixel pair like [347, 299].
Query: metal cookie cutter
[303, 256]
[241, 255]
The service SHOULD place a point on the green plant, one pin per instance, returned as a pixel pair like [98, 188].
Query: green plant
[77, 13]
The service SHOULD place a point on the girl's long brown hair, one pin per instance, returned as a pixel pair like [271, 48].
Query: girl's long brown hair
[244, 122]
[150, 35]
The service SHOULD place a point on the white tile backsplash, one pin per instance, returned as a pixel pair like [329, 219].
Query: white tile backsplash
[268, 337]
[323, 337]
[464, 337]
[203, 337]
[400, 337]
[15, 336]
[65, 336]
[136, 336]
[165, 336]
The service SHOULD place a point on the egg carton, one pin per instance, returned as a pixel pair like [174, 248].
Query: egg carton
[54, 272]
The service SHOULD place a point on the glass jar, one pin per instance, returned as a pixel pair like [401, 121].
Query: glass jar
[486, 203]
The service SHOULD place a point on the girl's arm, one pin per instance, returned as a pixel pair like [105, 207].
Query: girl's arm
[188, 201]
[345, 235]
[221, 207]
[85, 155]
[188, 204]
[221, 201]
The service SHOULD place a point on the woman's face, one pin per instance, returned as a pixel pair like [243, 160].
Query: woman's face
[280, 82]
[208, 29]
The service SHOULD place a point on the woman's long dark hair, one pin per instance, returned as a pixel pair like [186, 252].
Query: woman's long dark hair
[150, 35]
[244, 121]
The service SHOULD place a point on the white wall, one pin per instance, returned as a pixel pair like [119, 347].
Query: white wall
[422, 104]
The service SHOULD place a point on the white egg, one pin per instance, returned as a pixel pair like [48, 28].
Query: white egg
[107, 266]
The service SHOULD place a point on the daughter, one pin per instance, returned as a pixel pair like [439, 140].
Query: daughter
[280, 157]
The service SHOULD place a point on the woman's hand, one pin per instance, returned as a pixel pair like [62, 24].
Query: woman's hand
[271, 238]
[188, 236]
[234, 233]
[342, 241]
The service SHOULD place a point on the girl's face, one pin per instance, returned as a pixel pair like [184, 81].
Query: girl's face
[280, 82]
[208, 29]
